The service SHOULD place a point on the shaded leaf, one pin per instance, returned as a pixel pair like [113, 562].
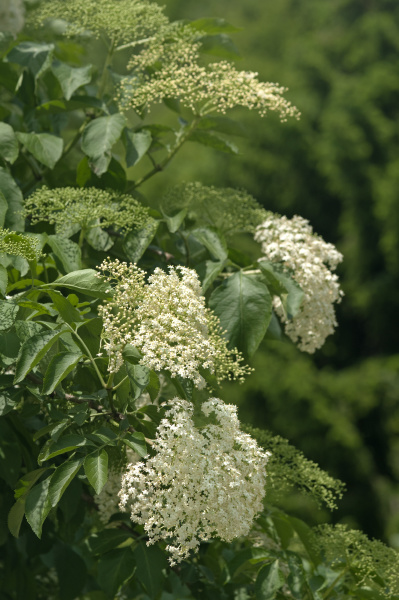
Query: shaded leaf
[99, 239]
[46, 148]
[61, 478]
[213, 25]
[213, 241]
[212, 140]
[14, 219]
[7, 403]
[137, 144]
[67, 312]
[208, 272]
[33, 55]
[284, 286]
[269, 580]
[71, 78]
[75, 103]
[222, 125]
[108, 539]
[221, 45]
[15, 516]
[59, 367]
[114, 569]
[136, 441]
[244, 307]
[8, 314]
[9, 148]
[136, 242]
[96, 469]
[98, 138]
[71, 572]
[84, 281]
[150, 561]
[37, 506]
[139, 377]
[66, 443]
[32, 351]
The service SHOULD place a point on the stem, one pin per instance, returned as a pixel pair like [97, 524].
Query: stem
[108, 60]
[132, 44]
[161, 166]
[81, 237]
[76, 137]
[330, 589]
[120, 383]
[88, 353]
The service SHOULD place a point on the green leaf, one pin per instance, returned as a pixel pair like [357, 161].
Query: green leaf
[71, 78]
[269, 580]
[61, 478]
[35, 56]
[136, 441]
[208, 271]
[59, 367]
[108, 539]
[221, 45]
[244, 307]
[99, 239]
[71, 572]
[15, 516]
[14, 219]
[284, 286]
[66, 443]
[213, 241]
[46, 148]
[154, 386]
[32, 351]
[213, 25]
[98, 138]
[213, 141]
[27, 481]
[7, 403]
[8, 314]
[75, 103]
[68, 313]
[173, 222]
[222, 125]
[114, 569]
[37, 505]
[85, 281]
[139, 377]
[9, 148]
[96, 469]
[137, 145]
[3, 209]
[136, 242]
[150, 561]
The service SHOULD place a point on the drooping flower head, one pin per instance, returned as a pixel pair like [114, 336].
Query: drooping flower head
[166, 319]
[206, 479]
[310, 260]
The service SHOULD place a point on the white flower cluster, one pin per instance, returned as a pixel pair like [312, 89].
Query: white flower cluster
[170, 67]
[205, 480]
[107, 500]
[12, 16]
[310, 260]
[166, 319]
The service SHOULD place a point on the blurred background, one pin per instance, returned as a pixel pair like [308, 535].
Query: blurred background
[338, 167]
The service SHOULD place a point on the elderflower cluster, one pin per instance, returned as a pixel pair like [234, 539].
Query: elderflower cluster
[121, 20]
[169, 67]
[310, 260]
[204, 481]
[18, 244]
[85, 208]
[107, 500]
[229, 210]
[166, 319]
[12, 16]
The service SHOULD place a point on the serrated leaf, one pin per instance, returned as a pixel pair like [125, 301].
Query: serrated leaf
[61, 478]
[208, 271]
[33, 55]
[9, 148]
[136, 441]
[7, 404]
[59, 367]
[96, 469]
[85, 281]
[27, 481]
[32, 351]
[26, 329]
[46, 148]
[137, 144]
[114, 569]
[66, 443]
[244, 307]
[8, 314]
[269, 580]
[99, 239]
[14, 216]
[212, 140]
[98, 138]
[136, 242]
[213, 241]
[108, 539]
[71, 78]
[67, 251]
[37, 505]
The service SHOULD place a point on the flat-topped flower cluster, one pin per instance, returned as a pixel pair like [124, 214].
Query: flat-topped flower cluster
[166, 319]
[207, 479]
[310, 260]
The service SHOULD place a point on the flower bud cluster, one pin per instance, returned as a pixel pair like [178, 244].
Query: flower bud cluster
[19, 244]
[170, 67]
[310, 260]
[206, 479]
[229, 210]
[87, 208]
[166, 319]
[121, 20]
